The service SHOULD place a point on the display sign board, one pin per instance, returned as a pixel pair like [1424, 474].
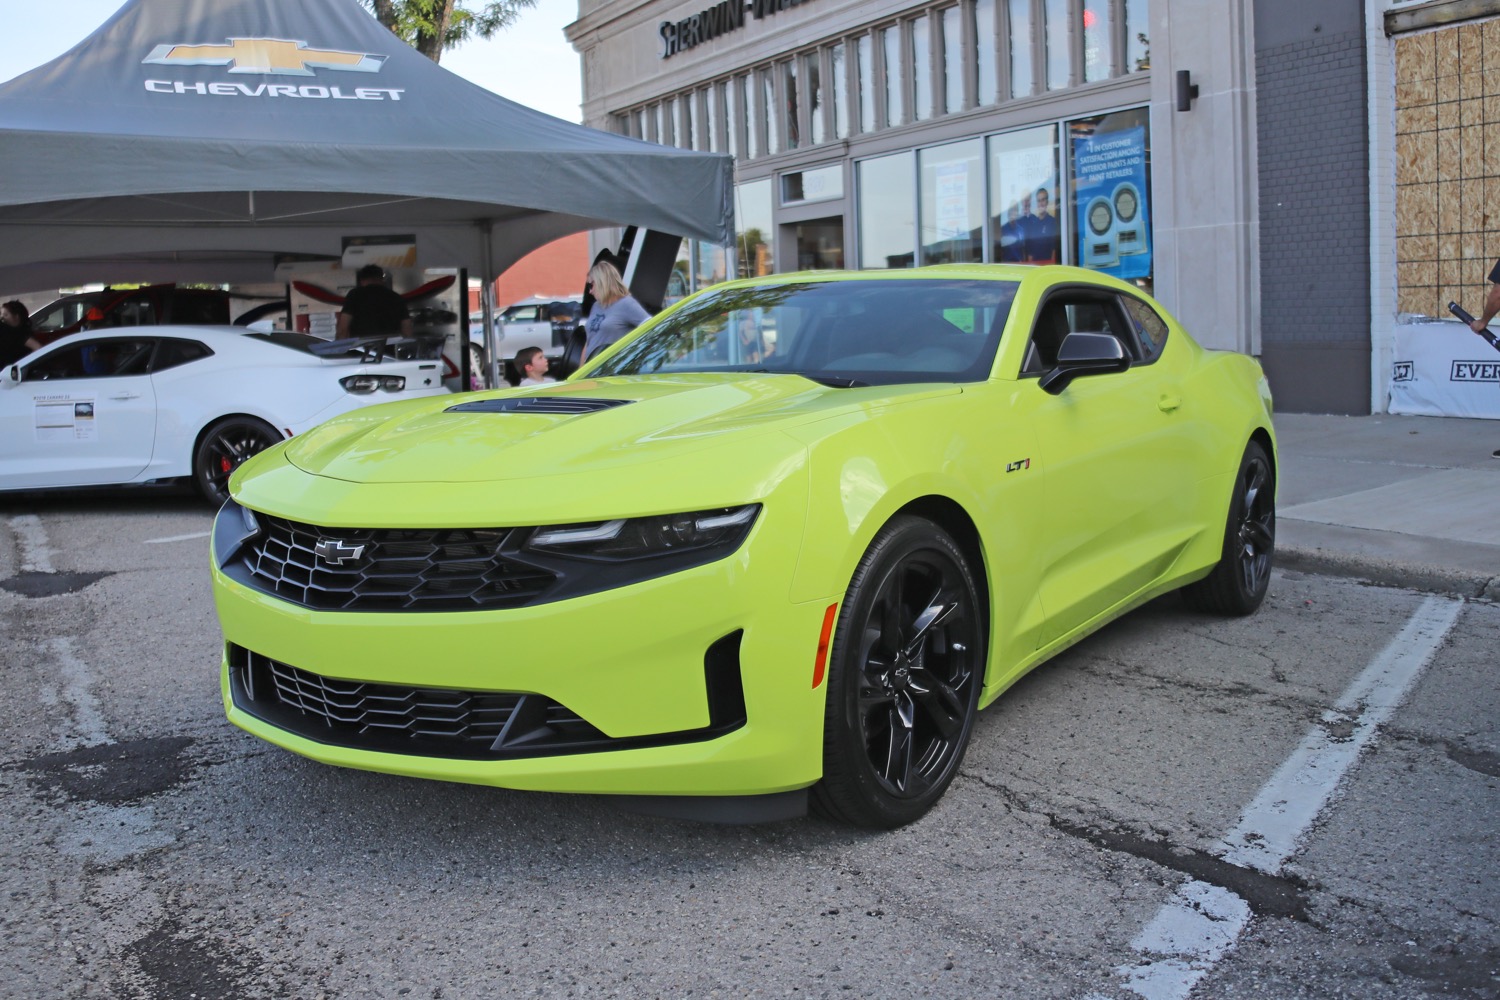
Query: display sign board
[1441, 368]
[1110, 195]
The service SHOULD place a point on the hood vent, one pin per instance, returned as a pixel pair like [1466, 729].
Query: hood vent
[566, 405]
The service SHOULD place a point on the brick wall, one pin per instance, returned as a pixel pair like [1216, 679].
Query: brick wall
[557, 269]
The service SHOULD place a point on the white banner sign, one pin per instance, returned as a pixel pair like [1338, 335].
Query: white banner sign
[1444, 369]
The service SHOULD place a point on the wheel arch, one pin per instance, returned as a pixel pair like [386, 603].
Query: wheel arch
[212, 422]
[1262, 437]
[949, 514]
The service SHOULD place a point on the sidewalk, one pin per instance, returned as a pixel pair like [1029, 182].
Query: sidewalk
[1403, 501]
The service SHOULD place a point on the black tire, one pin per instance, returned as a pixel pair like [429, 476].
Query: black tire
[1238, 583]
[223, 448]
[904, 679]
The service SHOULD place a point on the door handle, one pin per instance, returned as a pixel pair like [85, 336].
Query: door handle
[1168, 402]
[125, 395]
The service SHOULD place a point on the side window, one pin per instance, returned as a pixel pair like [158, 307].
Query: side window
[1150, 328]
[93, 359]
[171, 352]
[131, 312]
[1078, 312]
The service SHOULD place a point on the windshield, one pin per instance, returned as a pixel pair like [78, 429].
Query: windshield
[62, 313]
[842, 332]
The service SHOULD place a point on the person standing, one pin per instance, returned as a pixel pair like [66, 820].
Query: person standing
[1491, 307]
[615, 312]
[532, 365]
[371, 309]
[15, 332]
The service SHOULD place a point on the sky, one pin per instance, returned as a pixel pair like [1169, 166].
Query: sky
[530, 63]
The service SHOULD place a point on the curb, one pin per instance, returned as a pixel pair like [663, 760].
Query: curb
[1390, 573]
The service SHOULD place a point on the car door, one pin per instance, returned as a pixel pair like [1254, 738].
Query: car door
[82, 414]
[1119, 464]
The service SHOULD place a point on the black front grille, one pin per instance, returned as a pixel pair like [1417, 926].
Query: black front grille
[435, 721]
[444, 722]
[378, 569]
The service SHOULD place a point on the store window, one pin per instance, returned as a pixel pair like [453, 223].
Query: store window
[1025, 197]
[1109, 171]
[1022, 72]
[768, 104]
[1055, 33]
[953, 62]
[864, 54]
[753, 215]
[813, 77]
[887, 226]
[755, 120]
[817, 184]
[921, 68]
[1098, 59]
[840, 88]
[952, 202]
[734, 117]
[1137, 40]
[791, 110]
[694, 102]
[984, 51]
[709, 262]
[895, 87]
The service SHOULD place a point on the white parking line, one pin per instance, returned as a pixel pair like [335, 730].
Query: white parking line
[31, 537]
[1203, 922]
[89, 729]
[176, 538]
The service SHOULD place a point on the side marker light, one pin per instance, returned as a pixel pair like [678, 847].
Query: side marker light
[825, 638]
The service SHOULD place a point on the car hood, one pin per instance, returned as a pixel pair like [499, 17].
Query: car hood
[590, 425]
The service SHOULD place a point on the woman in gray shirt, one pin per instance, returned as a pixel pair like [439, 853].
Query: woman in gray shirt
[615, 312]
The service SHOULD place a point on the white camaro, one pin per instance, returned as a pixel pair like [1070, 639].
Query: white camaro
[150, 403]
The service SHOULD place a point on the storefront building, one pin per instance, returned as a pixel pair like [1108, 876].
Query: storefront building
[1119, 135]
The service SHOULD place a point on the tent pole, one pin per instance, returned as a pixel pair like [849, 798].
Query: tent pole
[487, 306]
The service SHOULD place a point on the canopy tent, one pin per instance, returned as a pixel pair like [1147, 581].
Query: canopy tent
[196, 139]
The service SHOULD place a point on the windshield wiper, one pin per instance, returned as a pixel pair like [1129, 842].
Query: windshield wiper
[832, 381]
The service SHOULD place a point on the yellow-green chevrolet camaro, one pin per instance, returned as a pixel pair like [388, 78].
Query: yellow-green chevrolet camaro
[777, 546]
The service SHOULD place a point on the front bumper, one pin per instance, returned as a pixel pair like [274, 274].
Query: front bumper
[655, 673]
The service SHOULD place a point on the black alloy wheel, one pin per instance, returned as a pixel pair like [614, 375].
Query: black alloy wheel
[904, 679]
[1238, 584]
[223, 448]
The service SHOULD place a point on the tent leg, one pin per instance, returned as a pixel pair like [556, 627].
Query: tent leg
[487, 306]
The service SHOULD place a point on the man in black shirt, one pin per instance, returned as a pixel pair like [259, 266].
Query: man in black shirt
[373, 310]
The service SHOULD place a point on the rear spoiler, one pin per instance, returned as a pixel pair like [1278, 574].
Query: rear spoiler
[373, 350]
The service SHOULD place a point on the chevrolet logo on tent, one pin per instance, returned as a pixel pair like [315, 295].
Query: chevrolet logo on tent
[275, 56]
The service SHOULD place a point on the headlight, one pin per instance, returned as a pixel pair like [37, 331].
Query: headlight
[647, 537]
[233, 527]
[604, 555]
[370, 383]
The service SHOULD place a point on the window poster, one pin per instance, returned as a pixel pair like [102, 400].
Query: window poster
[1023, 197]
[1110, 198]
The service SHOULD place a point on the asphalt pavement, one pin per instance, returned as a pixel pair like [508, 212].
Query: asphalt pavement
[1399, 501]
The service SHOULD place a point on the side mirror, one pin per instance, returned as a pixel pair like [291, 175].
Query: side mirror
[13, 375]
[1084, 354]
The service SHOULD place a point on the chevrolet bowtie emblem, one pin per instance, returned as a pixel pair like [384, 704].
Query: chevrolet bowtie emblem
[275, 56]
[336, 552]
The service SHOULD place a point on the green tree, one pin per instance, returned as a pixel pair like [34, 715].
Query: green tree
[431, 26]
